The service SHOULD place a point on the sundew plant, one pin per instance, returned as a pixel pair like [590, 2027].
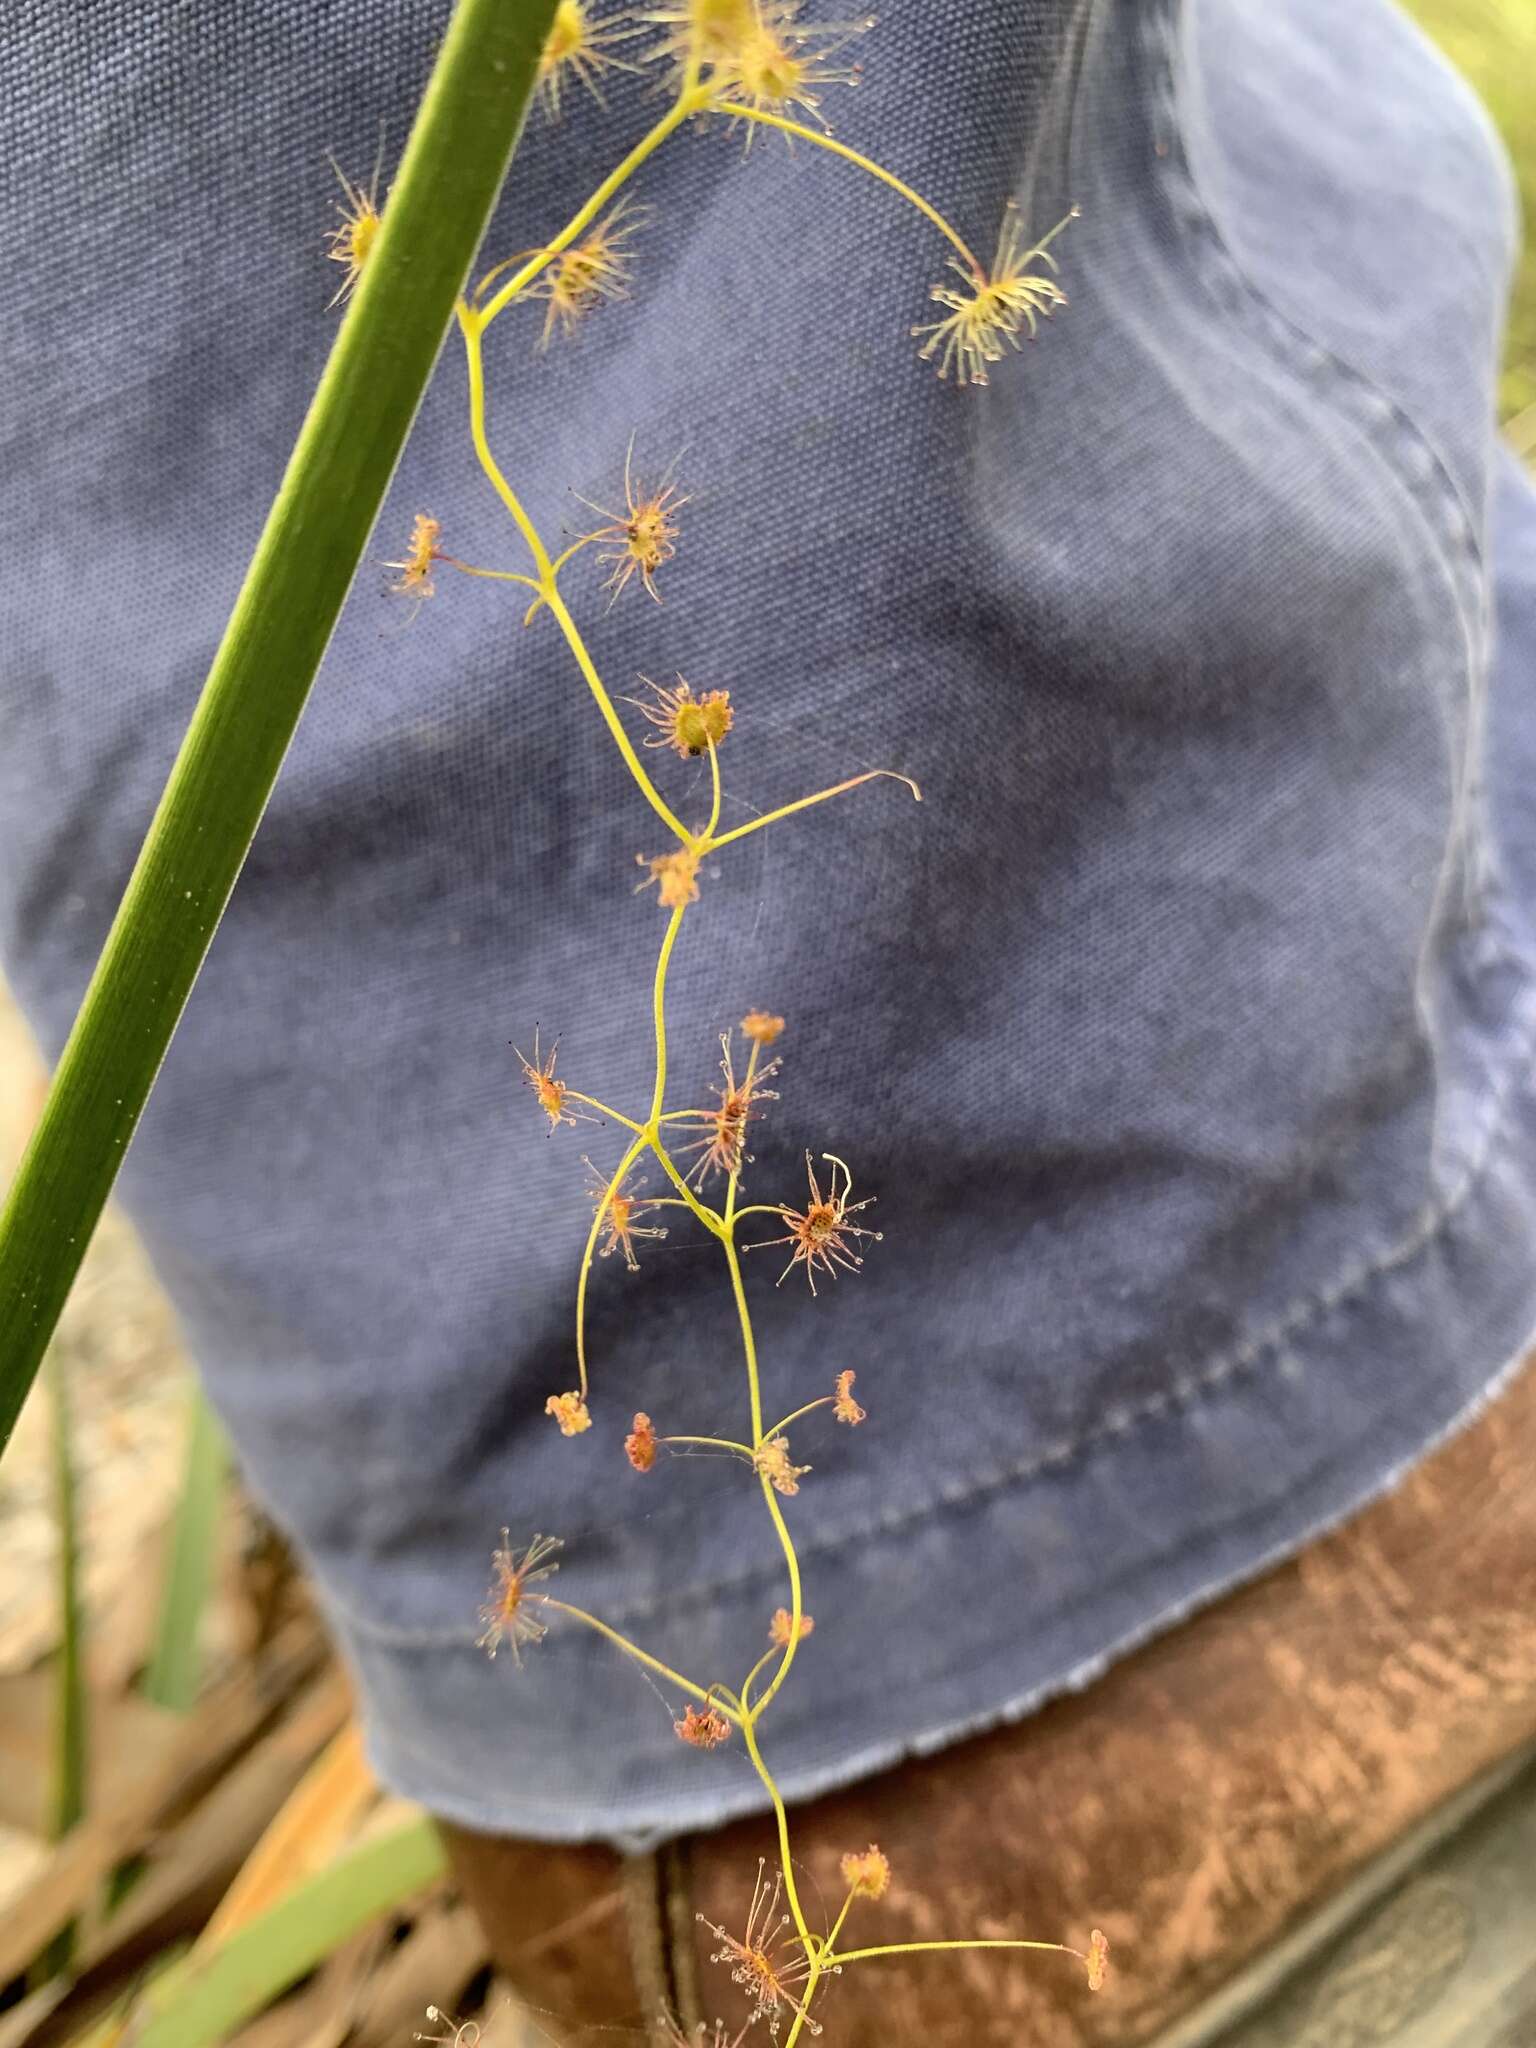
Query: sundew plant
[756, 65]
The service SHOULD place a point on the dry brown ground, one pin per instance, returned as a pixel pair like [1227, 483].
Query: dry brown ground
[267, 1764]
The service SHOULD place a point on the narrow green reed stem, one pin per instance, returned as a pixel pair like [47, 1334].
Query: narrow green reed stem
[781, 1818]
[646, 1134]
[67, 1784]
[689, 101]
[622, 1642]
[474, 361]
[837, 1925]
[826, 1958]
[751, 1677]
[733, 1185]
[865, 163]
[710, 1218]
[771, 1500]
[649, 1132]
[495, 575]
[471, 326]
[708, 843]
[614, 1115]
[319, 524]
[611, 718]
[748, 1342]
[775, 1512]
[796, 1599]
[575, 548]
[173, 1675]
[825, 1401]
[912, 1948]
[203, 2000]
[716, 1443]
[818, 1965]
[659, 1010]
[714, 796]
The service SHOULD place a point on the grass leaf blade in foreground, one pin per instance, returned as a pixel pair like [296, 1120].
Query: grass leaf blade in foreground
[201, 1999]
[315, 534]
[175, 1664]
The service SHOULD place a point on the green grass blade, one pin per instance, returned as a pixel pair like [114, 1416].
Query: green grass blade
[319, 524]
[175, 1665]
[66, 1802]
[67, 1785]
[201, 2000]
[111, 2029]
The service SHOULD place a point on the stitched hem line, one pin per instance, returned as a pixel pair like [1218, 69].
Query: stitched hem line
[1306, 354]
[553, 1822]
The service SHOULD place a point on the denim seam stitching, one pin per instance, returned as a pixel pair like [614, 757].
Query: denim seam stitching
[1287, 342]
[1446, 521]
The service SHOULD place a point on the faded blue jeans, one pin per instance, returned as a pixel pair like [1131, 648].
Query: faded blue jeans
[1184, 1033]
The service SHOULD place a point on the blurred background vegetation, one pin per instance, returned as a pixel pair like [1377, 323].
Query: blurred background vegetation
[1494, 44]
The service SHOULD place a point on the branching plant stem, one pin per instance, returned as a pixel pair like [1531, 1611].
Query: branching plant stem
[743, 1710]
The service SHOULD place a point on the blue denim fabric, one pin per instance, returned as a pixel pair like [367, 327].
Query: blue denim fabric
[1184, 1032]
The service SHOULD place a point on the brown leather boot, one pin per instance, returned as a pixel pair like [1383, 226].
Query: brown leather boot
[1195, 1803]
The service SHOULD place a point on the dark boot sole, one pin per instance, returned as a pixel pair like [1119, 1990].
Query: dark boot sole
[1431, 1946]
